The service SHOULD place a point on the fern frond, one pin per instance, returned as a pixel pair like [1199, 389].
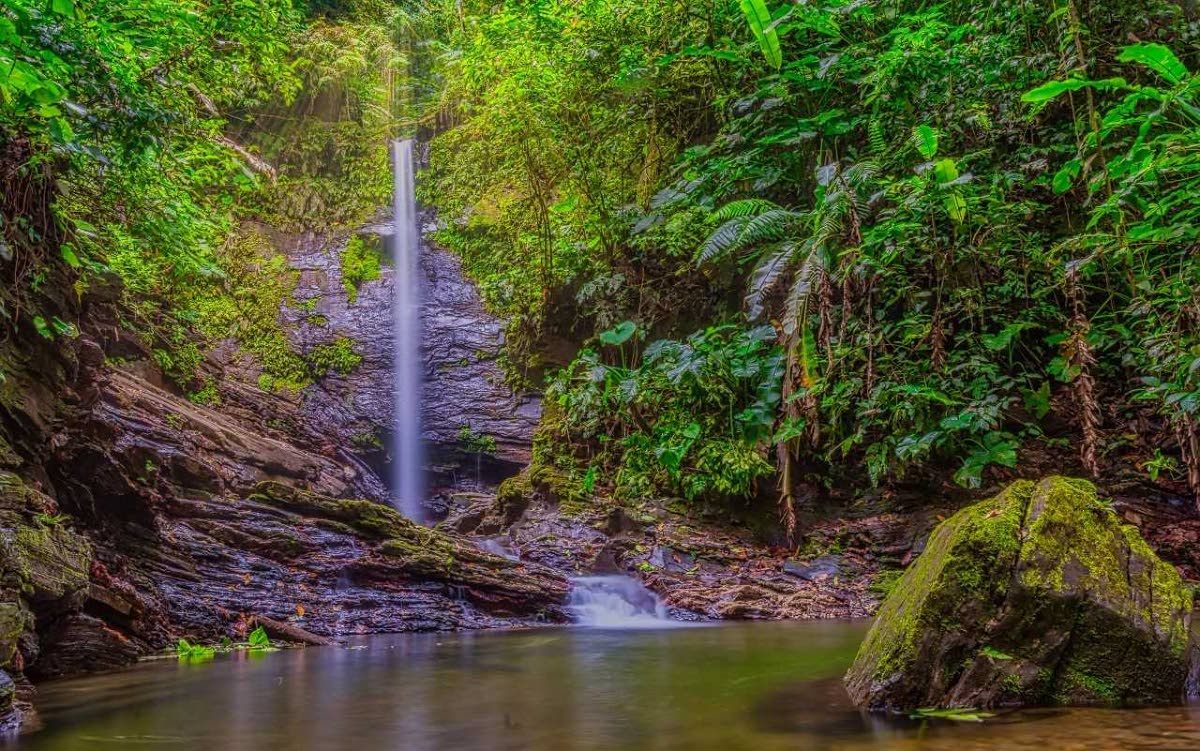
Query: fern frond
[723, 241]
[799, 299]
[771, 226]
[743, 208]
[862, 172]
[829, 225]
[743, 232]
[875, 137]
[765, 277]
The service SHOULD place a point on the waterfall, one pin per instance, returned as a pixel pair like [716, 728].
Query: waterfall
[616, 602]
[407, 480]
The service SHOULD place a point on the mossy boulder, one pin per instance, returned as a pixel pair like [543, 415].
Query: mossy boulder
[1039, 596]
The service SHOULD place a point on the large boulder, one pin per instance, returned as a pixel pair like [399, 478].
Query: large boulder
[1039, 596]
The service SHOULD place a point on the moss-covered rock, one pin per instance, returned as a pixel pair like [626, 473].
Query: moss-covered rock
[1037, 596]
[40, 557]
[404, 551]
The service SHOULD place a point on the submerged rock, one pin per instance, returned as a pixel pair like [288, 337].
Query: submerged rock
[1039, 596]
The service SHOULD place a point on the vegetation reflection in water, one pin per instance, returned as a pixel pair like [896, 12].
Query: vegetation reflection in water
[749, 686]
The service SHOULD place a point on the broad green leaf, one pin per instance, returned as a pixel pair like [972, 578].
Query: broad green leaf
[1052, 89]
[619, 334]
[62, 7]
[1038, 402]
[1005, 336]
[68, 255]
[956, 207]
[946, 171]
[759, 20]
[187, 651]
[1065, 177]
[259, 639]
[1156, 57]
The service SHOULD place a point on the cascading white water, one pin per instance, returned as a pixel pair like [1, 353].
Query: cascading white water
[617, 602]
[408, 485]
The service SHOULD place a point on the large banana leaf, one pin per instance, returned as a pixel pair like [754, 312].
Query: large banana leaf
[759, 19]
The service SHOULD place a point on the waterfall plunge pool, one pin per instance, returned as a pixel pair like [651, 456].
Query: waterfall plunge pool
[752, 686]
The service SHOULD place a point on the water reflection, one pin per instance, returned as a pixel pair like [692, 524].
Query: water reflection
[761, 687]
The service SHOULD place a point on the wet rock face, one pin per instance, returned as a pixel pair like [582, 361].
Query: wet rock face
[1039, 596]
[463, 385]
[231, 523]
[175, 519]
[333, 567]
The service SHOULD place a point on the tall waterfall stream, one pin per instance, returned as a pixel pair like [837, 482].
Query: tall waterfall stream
[407, 478]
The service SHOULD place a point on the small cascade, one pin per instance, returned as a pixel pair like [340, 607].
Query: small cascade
[408, 486]
[616, 602]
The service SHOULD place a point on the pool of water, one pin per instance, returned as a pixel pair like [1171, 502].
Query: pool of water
[724, 688]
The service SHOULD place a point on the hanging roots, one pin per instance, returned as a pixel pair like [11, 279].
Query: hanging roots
[787, 502]
[1189, 448]
[825, 312]
[1078, 353]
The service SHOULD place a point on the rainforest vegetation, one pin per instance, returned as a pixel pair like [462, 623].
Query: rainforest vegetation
[806, 238]
[748, 248]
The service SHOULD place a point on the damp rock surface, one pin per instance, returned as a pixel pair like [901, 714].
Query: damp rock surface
[463, 385]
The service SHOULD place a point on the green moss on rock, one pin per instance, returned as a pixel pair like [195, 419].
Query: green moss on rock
[1047, 576]
[39, 556]
[407, 551]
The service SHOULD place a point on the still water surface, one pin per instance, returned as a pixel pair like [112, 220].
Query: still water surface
[765, 687]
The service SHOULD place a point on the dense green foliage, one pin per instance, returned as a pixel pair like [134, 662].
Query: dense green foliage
[920, 239]
[972, 226]
[167, 125]
[687, 418]
[360, 263]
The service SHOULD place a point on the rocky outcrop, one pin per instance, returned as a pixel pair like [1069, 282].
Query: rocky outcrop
[1037, 596]
[703, 568]
[198, 523]
[174, 519]
[44, 578]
